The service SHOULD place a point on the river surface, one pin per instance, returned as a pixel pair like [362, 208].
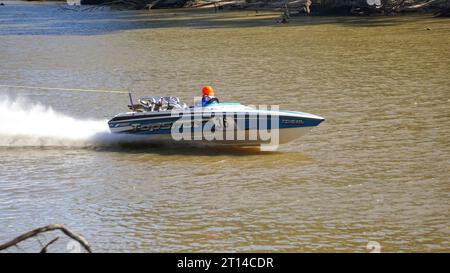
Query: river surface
[376, 172]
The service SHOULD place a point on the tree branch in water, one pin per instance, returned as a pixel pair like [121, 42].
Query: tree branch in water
[80, 239]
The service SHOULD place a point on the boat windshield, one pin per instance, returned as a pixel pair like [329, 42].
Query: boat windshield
[150, 104]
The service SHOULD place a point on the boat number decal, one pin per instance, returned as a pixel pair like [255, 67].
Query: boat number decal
[292, 121]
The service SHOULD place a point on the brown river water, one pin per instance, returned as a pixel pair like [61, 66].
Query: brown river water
[376, 171]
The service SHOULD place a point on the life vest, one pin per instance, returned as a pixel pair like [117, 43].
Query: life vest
[205, 100]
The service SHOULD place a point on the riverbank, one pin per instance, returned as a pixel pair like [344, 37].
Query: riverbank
[296, 7]
[204, 18]
[288, 7]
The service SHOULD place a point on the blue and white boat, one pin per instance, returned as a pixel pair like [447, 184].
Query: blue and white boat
[168, 119]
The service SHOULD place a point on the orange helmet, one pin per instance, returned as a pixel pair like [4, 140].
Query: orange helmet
[208, 91]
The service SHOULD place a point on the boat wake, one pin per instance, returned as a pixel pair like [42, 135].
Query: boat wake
[24, 124]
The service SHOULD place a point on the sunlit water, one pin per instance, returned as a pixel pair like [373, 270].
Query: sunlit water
[376, 170]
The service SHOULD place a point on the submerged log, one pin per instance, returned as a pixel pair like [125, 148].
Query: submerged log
[419, 6]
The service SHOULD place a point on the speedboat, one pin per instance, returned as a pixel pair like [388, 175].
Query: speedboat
[168, 119]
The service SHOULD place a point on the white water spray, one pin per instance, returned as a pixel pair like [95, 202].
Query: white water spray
[26, 124]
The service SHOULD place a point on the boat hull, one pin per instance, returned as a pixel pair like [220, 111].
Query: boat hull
[240, 128]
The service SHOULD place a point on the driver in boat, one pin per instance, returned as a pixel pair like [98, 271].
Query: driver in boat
[208, 96]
